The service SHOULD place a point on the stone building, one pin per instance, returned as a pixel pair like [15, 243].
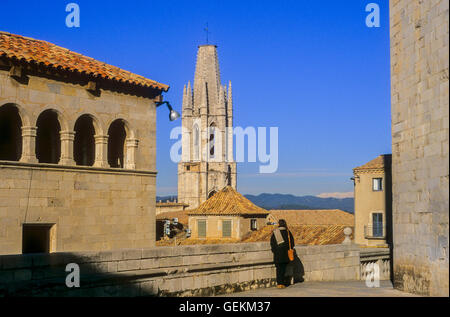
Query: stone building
[226, 215]
[373, 202]
[77, 151]
[207, 145]
[169, 207]
[420, 128]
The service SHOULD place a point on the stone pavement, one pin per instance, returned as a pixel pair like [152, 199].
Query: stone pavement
[327, 289]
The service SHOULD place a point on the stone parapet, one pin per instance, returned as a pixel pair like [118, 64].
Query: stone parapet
[198, 270]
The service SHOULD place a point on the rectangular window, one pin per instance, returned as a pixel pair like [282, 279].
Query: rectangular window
[226, 228]
[201, 227]
[377, 224]
[36, 238]
[377, 184]
[253, 224]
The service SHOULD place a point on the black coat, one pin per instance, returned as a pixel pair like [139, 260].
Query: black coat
[280, 251]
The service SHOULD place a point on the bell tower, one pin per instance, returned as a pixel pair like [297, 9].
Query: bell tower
[207, 164]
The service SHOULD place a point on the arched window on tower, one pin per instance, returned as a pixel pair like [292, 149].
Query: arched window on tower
[211, 194]
[10, 133]
[48, 140]
[116, 144]
[212, 135]
[196, 143]
[84, 143]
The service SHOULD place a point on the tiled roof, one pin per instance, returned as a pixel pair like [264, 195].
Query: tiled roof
[314, 217]
[39, 52]
[228, 202]
[303, 234]
[378, 163]
[181, 215]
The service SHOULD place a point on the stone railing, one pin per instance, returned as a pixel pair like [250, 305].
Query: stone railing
[199, 270]
[378, 256]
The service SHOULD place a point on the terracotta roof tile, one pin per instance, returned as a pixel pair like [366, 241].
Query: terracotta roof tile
[181, 215]
[303, 234]
[228, 202]
[314, 217]
[41, 52]
[377, 163]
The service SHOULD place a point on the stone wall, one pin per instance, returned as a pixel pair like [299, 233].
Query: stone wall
[420, 129]
[169, 271]
[90, 208]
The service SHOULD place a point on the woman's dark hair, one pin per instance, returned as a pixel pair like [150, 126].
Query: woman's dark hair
[282, 223]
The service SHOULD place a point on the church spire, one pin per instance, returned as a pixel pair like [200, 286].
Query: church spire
[207, 73]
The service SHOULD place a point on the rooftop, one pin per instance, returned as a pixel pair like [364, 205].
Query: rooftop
[314, 217]
[380, 162]
[303, 234]
[41, 53]
[228, 202]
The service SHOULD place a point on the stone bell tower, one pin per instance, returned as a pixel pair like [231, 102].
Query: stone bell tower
[207, 164]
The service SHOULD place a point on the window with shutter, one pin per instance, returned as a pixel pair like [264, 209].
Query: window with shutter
[201, 225]
[226, 228]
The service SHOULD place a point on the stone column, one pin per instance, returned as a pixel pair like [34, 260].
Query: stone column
[29, 145]
[67, 138]
[131, 145]
[101, 151]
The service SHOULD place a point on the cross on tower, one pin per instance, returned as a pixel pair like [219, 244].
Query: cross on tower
[207, 33]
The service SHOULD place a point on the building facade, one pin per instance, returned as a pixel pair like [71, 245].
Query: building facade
[207, 141]
[420, 129]
[373, 202]
[77, 151]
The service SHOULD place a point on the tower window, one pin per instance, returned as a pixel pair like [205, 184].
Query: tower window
[196, 143]
[212, 135]
[211, 194]
[253, 224]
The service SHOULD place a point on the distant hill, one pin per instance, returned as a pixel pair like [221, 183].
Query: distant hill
[289, 202]
[286, 202]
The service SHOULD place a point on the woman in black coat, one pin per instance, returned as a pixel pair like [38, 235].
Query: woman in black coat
[279, 243]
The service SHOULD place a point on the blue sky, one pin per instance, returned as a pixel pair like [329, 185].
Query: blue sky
[311, 68]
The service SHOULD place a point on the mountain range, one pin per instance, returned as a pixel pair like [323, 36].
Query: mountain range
[286, 202]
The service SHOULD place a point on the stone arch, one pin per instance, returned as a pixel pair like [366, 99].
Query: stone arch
[212, 193]
[24, 114]
[131, 132]
[48, 138]
[119, 133]
[98, 124]
[86, 128]
[11, 124]
[62, 118]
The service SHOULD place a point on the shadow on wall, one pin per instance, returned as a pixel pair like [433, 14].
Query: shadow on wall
[389, 218]
[164, 271]
[42, 275]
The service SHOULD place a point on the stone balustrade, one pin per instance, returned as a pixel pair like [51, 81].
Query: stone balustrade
[378, 256]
